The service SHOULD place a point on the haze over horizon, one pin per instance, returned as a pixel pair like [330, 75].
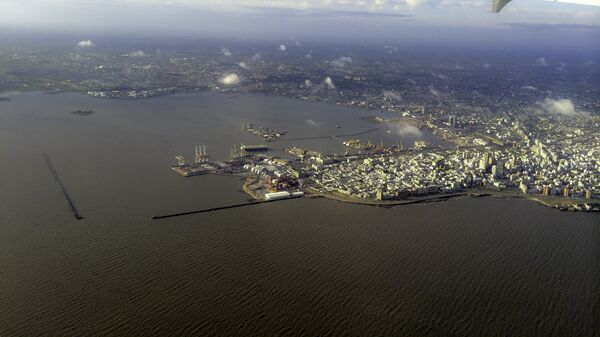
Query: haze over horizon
[333, 19]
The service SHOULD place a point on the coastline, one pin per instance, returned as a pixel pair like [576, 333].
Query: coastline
[557, 202]
[553, 202]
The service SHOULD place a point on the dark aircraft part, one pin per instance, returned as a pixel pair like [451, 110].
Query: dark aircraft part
[499, 4]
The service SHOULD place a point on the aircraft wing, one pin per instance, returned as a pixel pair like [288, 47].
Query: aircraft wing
[498, 5]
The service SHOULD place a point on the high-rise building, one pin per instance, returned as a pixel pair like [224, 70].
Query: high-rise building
[484, 161]
[499, 167]
[547, 190]
[482, 164]
[452, 121]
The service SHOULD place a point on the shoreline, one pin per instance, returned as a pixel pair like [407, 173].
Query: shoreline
[558, 204]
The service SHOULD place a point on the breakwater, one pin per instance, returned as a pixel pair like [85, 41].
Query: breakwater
[76, 213]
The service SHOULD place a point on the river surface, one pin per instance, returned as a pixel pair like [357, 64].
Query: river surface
[463, 267]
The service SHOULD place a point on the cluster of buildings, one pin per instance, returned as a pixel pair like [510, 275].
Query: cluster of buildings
[417, 173]
[131, 94]
[535, 153]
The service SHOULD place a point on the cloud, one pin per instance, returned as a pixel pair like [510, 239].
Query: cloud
[325, 13]
[541, 62]
[85, 43]
[434, 91]
[559, 106]
[390, 49]
[529, 87]
[226, 52]
[282, 47]
[328, 83]
[230, 79]
[562, 67]
[341, 62]
[307, 83]
[487, 66]
[256, 57]
[408, 130]
[313, 123]
[392, 95]
[137, 53]
[244, 65]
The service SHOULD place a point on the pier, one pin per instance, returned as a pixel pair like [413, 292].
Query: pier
[332, 136]
[76, 213]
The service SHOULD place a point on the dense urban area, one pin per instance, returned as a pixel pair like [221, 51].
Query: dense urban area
[527, 126]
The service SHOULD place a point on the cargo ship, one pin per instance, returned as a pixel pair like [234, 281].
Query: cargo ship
[254, 148]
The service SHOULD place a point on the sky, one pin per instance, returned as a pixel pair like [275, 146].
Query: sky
[295, 18]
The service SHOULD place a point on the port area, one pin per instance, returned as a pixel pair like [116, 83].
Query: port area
[393, 175]
[195, 170]
[267, 134]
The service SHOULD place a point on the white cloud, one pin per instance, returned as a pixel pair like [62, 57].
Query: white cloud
[392, 95]
[256, 57]
[341, 62]
[328, 83]
[487, 66]
[244, 65]
[85, 43]
[541, 62]
[137, 53]
[282, 47]
[529, 87]
[434, 91]
[307, 83]
[408, 130]
[313, 123]
[230, 79]
[559, 106]
[226, 52]
[390, 49]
